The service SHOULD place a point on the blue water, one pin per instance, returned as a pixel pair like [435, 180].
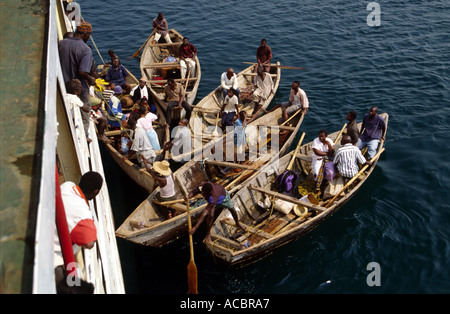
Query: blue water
[399, 219]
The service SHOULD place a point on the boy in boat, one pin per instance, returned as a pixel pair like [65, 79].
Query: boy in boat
[297, 100]
[230, 109]
[217, 197]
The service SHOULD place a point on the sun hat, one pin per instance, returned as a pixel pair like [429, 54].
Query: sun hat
[301, 211]
[118, 89]
[162, 167]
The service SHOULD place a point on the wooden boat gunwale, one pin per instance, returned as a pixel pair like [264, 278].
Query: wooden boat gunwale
[244, 256]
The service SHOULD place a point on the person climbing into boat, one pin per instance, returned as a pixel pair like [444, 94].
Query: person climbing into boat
[141, 144]
[161, 27]
[217, 197]
[161, 172]
[264, 55]
[347, 158]
[176, 96]
[263, 89]
[229, 110]
[297, 100]
[181, 144]
[117, 74]
[374, 130]
[187, 53]
[229, 80]
[352, 127]
[146, 120]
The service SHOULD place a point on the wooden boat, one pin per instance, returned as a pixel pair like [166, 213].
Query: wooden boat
[268, 229]
[206, 110]
[156, 70]
[132, 167]
[147, 224]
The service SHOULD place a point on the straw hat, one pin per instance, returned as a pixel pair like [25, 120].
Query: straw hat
[162, 167]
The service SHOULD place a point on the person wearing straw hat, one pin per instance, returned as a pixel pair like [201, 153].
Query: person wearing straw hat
[161, 172]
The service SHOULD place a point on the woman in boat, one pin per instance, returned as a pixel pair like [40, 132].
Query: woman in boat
[146, 120]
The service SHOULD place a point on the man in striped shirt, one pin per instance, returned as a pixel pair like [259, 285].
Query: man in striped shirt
[347, 158]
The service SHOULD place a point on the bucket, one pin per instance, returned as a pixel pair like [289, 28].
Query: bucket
[302, 210]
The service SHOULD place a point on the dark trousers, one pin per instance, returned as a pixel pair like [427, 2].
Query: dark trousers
[173, 104]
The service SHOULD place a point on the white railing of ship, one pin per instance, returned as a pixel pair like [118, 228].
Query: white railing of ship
[100, 265]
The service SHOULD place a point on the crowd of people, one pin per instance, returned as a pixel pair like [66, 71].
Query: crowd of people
[104, 103]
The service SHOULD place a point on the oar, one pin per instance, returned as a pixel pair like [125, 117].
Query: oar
[354, 178]
[191, 268]
[136, 54]
[291, 163]
[280, 66]
[215, 133]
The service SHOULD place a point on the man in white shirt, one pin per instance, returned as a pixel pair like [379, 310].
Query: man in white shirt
[322, 147]
[297, 100]
[264, 88]
[347, 158]
[229, 80]
[140, 91]
[181, 144]
[141, 144]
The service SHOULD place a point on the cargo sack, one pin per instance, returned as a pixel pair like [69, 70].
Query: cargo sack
[287, 183]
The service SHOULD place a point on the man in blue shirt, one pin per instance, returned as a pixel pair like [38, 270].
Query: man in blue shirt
[374, 130]
[117, 74]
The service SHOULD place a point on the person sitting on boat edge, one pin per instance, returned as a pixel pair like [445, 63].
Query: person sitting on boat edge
[161, 172]
[297, 100]
[263, 89]
[229, 80]
[347, 157]
[374, 130]
[161, 27]
[141, 144]
[229, 110]
[352, 127]
[176, 96]
[264, 55]
[117, 74]
[187, 53]
[217, 197]
[73, 88]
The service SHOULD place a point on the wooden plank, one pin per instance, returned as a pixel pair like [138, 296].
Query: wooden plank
[281, 127]
[178, 43]
[286, 198]
[162, 65]
[248, 228]
[228, 242]
[230, 164]
[255, 74]
[165, 81]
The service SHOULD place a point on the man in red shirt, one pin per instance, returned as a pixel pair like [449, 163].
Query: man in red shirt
[187, 53]
[264, 55]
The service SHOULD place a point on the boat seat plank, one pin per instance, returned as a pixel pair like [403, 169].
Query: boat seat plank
[248, 228]
[176, 206]
[227, 242]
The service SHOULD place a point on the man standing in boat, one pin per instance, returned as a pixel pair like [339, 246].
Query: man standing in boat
[76, 62]
[374, 130]
[161, 28]
[187, 53]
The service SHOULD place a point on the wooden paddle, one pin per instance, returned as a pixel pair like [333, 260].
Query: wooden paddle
[280, 66]
[191, 268]
[291, 163]
[215, 133]
[353, 179]
[136, 54]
